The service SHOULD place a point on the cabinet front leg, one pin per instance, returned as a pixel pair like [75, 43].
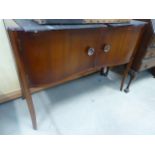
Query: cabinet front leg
[30, 105]
[132, 77]
[26, 94]
[125, 74]
[16, 46]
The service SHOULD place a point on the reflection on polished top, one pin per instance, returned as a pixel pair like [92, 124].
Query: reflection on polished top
[30, 25]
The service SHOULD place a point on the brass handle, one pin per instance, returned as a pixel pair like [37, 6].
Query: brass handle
[107, 48]
[91, 51]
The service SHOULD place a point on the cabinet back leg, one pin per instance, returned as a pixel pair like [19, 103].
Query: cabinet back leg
[122, 82]
[105, 71]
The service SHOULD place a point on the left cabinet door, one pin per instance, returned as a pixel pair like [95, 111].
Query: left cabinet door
[53, 56]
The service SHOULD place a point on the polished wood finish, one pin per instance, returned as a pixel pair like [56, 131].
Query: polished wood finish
[57, 54]
[23, 78]
[48, 58]
[43, 55]
[122, 42]
[145, 55]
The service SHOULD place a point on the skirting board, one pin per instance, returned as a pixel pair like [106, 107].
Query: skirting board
[14, 95]
[17, 94]
[10, 96]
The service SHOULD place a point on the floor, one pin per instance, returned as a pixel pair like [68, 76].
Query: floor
[89, 105]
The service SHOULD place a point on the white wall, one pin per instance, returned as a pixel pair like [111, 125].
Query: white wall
[8, 75]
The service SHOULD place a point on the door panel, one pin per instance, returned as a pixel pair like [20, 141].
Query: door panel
[117, 45]
[81, 42]
[52, 56]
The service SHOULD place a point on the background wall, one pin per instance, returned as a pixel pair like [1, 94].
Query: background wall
[8, 76]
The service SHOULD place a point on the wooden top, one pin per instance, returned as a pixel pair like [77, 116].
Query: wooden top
[31, 26]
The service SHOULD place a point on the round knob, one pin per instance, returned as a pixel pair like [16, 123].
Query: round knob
[91, 51]
[106, 48]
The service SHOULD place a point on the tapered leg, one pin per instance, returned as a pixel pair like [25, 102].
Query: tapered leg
[15, 41]
[132, 77]
[31, 110]
[125, 75]
[21, 81]
[105, 71]
[26, 94]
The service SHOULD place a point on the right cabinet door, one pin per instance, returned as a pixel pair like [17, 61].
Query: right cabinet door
[117, 45]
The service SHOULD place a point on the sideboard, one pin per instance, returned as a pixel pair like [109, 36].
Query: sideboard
[53, 54]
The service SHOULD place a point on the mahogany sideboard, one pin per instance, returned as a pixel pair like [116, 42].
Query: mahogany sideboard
[53, 54]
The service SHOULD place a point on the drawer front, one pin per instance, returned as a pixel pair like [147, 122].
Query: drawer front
[150, 52]
[147, 64]
[55, 55]
[121, 43]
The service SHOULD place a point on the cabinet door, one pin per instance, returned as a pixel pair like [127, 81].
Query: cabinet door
[82, 50]
[117, 45]
[55, 55]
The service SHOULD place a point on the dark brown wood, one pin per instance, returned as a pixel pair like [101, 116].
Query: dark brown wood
[47, 58]
[122, 42]
[57, 54]
[126, 71]
[23, 77]
[145, 55]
